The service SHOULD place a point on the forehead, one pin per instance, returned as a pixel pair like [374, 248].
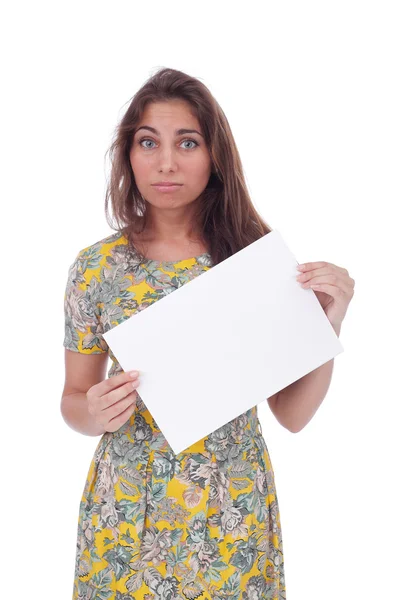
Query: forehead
[176, 110]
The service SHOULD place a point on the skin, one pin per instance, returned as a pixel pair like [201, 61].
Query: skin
[333, 287]
[166, 156]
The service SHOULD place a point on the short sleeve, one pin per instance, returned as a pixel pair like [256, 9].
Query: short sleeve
[83, 327]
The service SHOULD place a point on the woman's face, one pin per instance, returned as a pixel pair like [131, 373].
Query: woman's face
[165, 154]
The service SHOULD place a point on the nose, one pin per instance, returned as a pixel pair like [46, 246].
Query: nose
[167, 159]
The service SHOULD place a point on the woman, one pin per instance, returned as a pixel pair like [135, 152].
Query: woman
[204, 523]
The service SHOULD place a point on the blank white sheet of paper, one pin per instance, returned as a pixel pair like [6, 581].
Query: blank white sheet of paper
[224, 341]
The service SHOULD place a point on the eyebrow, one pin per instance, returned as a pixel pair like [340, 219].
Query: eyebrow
[177, 132]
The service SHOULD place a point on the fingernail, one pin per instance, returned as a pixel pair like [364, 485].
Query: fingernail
[133, 373]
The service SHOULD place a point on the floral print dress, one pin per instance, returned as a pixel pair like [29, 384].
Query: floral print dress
[203, 524]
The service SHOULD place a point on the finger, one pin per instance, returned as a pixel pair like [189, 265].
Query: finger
[119, 420]
[332, 280]
[321, 264]
[117, 394]
[118, 407]
[332, 290]
[336, 278]
[105, 386]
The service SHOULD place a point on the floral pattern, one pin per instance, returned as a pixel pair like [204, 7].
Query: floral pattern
[203, 524]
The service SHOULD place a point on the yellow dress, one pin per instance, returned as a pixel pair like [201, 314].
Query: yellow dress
[202, 524]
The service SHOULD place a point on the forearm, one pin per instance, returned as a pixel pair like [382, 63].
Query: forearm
[74, 409]
[297, 403]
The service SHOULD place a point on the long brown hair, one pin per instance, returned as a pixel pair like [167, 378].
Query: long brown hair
[226, 214]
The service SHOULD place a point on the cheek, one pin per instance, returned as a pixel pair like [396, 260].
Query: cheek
[201, 169]
[140, 165]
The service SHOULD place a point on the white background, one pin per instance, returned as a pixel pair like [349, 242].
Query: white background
[311, 91]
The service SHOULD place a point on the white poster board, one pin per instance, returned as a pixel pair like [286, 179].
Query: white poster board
[225, 341]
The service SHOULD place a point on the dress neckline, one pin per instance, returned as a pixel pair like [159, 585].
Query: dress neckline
[175, 262]
[169, 262]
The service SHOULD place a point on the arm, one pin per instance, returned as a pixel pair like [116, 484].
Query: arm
[81, 372]
[295, 405]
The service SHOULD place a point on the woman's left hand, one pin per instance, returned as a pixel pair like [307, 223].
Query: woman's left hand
[333, 287]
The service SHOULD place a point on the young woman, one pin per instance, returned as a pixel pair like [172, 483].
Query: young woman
[204, 523]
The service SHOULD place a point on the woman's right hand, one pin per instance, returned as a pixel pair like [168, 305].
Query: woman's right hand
[112, 401]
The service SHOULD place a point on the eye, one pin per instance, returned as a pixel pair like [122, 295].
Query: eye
[150, 140]
[190, 140]
[145, 140]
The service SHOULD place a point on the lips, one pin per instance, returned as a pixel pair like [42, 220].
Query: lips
[170, 187]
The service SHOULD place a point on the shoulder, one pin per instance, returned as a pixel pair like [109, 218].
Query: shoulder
[103, 246]
[96, 253]
[90, 260]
